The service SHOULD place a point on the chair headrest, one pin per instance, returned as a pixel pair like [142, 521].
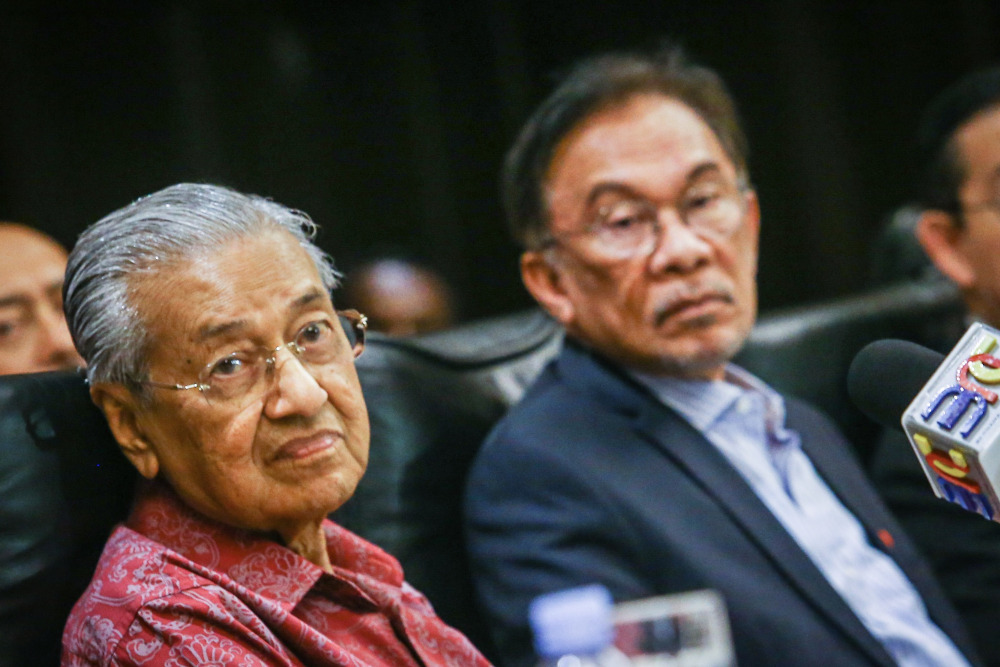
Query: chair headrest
[55, 406]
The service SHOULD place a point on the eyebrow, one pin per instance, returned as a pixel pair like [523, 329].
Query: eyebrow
[615, 186]
[23, 301]
[14, 300]
[215, 330]
[307, 299]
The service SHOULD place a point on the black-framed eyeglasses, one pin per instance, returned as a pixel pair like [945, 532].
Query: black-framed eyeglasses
[250, 374]
[632, 226]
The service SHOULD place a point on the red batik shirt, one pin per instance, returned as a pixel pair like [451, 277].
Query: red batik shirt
[175, 588]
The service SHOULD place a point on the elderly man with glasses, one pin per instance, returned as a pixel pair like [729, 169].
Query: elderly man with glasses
[642, 459]
[227, 378]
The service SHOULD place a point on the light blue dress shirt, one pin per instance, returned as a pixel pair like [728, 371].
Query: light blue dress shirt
[745, 420]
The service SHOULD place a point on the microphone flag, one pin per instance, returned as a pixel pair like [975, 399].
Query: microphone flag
[953, 424]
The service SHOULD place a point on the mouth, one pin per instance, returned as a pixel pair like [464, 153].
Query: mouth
[308, 447]
[693, 307]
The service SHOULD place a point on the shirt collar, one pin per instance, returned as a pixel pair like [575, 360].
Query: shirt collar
[252, 559]
[703, 402]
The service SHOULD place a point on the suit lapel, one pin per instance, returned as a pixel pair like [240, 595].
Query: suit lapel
[689, 450]
[718, 479]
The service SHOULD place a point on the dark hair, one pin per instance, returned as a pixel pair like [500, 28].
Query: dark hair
[591, 86]
[943, 167]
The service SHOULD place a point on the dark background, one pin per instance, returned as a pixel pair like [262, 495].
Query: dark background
[387, 121]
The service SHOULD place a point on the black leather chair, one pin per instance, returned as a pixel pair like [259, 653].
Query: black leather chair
[431, 401]
[63, 485]
[895, 254]
[806, 351]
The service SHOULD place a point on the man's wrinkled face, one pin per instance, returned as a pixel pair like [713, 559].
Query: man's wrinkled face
[33, 333]
[267, 459]
[685, 305]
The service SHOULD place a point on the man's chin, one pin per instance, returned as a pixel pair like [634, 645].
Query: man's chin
[705, 359]
[693, 367]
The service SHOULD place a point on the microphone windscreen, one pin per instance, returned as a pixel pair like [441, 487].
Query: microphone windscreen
[886, 375]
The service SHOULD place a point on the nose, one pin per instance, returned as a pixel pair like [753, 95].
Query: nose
[295, 390]
[54, 348]
[677, 248]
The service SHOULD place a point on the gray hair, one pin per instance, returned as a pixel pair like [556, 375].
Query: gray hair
[173, 224]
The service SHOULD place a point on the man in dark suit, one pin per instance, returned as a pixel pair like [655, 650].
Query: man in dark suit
[641, 459]
[959, 229]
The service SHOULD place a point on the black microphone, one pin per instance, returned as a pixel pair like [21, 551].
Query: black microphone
[886, 375]
[947, 406]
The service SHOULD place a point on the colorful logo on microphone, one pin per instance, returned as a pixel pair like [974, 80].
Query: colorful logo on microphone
[964, 393]
[952, 471]
[954, 428]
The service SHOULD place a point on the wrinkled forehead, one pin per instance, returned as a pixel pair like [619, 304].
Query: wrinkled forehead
[628, 105]
[253, 281]
[646, 142]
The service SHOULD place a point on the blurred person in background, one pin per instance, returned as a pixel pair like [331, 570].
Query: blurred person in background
[33, 333]
[400, 297]
[33, 338]
[958, 227]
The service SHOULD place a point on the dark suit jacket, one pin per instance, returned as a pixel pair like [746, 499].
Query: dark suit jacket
[591, 479]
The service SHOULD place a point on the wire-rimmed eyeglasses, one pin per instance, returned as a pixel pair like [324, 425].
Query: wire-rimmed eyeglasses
[632, 226]
[251, 373]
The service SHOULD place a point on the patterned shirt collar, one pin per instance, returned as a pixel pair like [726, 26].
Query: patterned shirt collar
[256, 560]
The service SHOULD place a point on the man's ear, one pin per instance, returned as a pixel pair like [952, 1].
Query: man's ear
[544, 282]
[120, 408]
[941, 238]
